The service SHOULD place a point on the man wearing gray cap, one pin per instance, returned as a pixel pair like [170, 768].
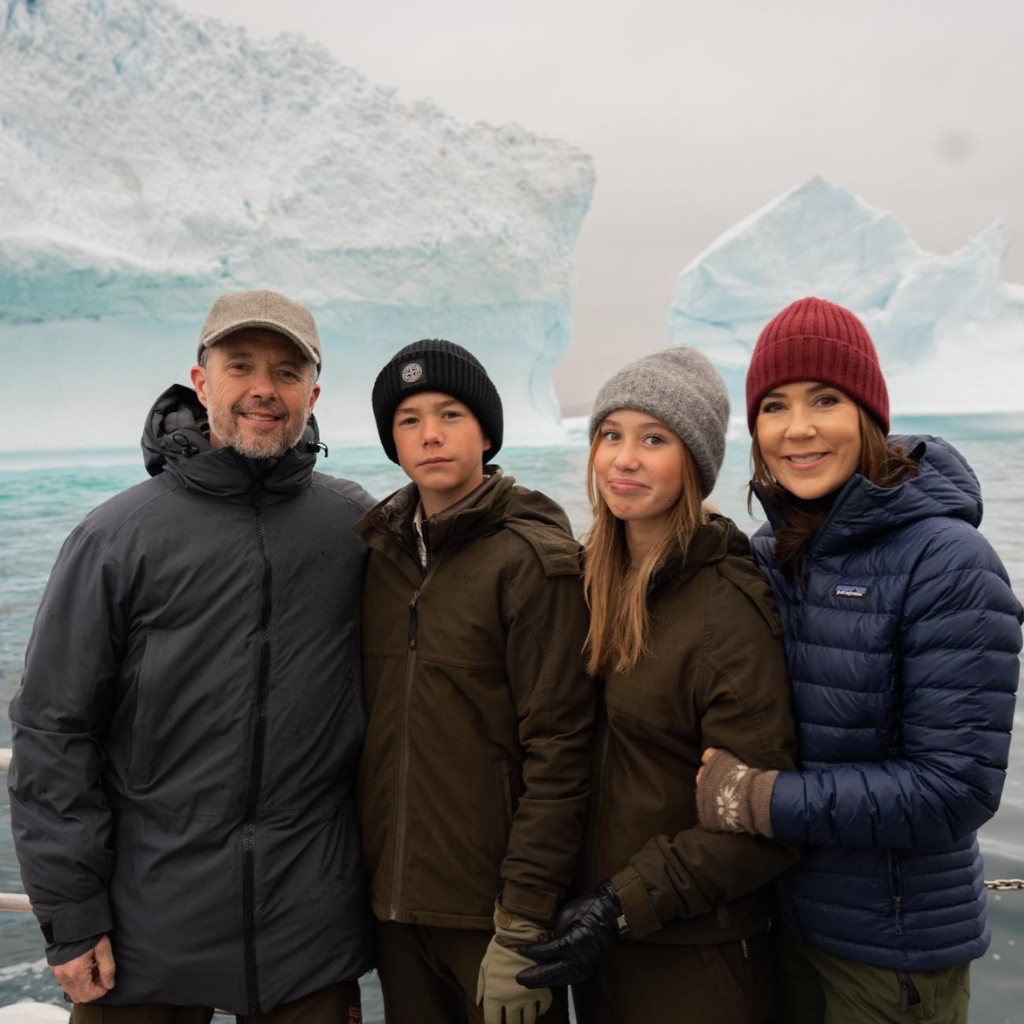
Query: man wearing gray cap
[188, 725]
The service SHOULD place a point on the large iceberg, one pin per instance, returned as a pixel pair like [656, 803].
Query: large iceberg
[949, 330]
[150, 160]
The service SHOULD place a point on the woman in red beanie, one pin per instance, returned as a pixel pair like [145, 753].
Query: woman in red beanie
[902, 636]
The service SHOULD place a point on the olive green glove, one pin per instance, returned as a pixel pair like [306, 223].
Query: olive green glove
[504, 1000]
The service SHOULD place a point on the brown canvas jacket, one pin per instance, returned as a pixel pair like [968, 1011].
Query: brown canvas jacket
[717, 677]
[474, 779]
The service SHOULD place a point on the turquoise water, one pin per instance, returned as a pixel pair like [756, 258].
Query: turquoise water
[43, 495]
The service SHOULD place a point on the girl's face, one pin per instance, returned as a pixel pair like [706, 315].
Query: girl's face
[638, 467]
[809, 435]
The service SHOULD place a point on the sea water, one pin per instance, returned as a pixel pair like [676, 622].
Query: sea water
[43, 495]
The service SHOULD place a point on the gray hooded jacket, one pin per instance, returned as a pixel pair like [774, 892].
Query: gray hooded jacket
[188, 727]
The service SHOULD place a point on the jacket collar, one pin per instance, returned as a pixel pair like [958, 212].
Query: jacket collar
[712, 541]
[175, 440]
[945, 485]
[480, 510]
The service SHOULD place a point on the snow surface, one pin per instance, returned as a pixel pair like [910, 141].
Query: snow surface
[150, 160]
[949, 330]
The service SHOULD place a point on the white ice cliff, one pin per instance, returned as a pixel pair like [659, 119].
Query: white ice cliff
[949, 330]
[150, 160]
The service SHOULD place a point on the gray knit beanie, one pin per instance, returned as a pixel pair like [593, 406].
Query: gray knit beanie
[680, 387]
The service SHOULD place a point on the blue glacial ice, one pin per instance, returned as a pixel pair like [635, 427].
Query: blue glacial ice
[150, 160]
[949, 330]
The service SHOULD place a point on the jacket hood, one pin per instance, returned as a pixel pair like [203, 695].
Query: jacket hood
[945, 485]
[175, 439]
[713, 541]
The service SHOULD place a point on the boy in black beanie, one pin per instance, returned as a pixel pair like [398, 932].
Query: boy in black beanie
[474, 775]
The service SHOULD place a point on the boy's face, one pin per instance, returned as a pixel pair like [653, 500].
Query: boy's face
[440, 446]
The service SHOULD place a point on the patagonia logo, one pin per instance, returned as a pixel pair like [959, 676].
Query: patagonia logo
[850, 590]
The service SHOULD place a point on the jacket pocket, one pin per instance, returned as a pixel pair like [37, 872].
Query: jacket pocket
[143, 748]
[510, 787]
[896, 876]
[726, 971]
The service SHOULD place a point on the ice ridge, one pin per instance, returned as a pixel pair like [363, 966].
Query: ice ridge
[150, 160]
[949, 330]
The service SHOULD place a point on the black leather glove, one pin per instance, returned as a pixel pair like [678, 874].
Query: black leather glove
[586, 929]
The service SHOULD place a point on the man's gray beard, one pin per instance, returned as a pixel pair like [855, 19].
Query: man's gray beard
[256, 447]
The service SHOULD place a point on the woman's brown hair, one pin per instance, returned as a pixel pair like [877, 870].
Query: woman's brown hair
[616, 590]
[881, 463]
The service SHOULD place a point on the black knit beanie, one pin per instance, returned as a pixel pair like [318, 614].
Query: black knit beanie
[436, 365]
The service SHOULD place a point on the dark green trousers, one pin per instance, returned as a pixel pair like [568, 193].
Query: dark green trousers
[336, 1004]
[650, 983]
[819, 988]
[428, 975]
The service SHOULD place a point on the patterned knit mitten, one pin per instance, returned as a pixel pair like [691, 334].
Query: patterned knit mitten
[733, 797]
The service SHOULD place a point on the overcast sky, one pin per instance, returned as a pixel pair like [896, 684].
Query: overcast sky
[698, 114]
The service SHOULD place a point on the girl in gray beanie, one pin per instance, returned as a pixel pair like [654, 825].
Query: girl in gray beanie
[684, 634]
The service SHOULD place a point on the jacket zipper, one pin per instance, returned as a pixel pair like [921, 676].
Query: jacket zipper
[256, 771]
[403, 761]
[398, 853]
[897, 899]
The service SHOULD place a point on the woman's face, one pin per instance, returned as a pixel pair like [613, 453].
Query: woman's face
[638, 467]
[809, 435]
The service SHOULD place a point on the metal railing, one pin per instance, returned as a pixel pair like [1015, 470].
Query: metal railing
[11, 900]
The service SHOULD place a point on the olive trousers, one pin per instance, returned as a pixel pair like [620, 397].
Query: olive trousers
[819, 988]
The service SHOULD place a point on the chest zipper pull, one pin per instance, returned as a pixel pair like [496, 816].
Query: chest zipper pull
[412, 620]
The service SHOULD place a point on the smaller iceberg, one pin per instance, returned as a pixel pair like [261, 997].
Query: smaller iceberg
[949, 330]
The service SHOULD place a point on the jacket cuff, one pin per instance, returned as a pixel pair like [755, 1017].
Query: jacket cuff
[787, 809]
[637, 905]
[74, 922]
[761, 802]
[58, 953]
[534, 906]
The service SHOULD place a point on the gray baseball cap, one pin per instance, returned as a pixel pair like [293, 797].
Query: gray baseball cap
[239, 310]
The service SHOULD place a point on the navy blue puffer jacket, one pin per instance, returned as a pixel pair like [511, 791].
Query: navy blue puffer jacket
[902, 646]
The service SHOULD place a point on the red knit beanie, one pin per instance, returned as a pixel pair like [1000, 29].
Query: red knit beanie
[813, 339]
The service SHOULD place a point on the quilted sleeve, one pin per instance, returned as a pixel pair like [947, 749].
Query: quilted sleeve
[59, 812]
[959, 639]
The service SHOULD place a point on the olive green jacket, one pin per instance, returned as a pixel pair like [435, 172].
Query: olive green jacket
[716, 677]
[474, 779]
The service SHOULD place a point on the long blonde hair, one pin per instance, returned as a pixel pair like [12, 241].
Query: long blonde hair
[882, 463]
[616, 590]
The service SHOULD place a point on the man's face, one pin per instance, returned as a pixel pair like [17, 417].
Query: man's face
[259, 390]
[440, 446]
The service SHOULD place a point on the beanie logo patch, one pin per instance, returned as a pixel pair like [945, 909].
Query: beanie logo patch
[412, 372]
